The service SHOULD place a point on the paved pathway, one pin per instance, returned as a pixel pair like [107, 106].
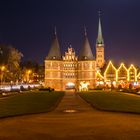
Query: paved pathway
[85, 124]
[72, 101]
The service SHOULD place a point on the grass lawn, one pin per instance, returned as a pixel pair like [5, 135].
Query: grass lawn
[29, 103]
[113, 101]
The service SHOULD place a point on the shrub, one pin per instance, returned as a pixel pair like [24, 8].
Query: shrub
[99, 88]
[46, 89]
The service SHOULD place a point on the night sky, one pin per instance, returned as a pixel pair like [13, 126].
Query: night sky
[28, 25]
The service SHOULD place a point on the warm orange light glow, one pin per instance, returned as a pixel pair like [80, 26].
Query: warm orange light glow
[110, 64]
[29, 71]
[138, 76]
[98, 74]
[27, 75]
[2, 68]
[135, 72]
[122, 74]
[122, 66]
[83, 86]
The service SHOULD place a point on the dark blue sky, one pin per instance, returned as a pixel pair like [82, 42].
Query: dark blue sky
[28, 25]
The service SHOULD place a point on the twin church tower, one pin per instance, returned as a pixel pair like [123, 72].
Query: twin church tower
[68, 71]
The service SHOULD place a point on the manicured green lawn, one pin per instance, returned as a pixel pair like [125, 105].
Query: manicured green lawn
[113, 101]
[29, 103]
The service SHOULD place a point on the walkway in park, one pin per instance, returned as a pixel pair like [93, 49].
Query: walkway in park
[85, 124]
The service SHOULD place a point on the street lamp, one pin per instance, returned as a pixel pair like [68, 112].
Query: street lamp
[28, 75]
[2, 68]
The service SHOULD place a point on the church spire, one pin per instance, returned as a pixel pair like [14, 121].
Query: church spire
[100, 60]
[100, 39]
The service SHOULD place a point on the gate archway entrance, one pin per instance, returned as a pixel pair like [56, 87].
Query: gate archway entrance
[70, 86]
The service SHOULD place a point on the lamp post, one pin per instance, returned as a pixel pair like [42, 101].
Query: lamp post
[28, 75]
[2, 68]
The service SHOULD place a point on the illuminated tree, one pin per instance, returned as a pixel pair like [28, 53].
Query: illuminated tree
[14, 59]
[37, 73]
[10, 57]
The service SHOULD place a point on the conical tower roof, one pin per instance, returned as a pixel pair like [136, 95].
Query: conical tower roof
[86, 52]
[54, 52]
[100, 39]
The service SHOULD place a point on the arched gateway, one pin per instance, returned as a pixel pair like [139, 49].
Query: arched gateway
[70, 86]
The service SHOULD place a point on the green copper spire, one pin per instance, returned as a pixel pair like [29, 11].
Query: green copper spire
[100, 39]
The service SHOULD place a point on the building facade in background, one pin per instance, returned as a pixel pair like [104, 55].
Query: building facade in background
[122, 75]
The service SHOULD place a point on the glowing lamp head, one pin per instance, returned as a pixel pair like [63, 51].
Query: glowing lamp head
[2, 68]
[29, 71]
